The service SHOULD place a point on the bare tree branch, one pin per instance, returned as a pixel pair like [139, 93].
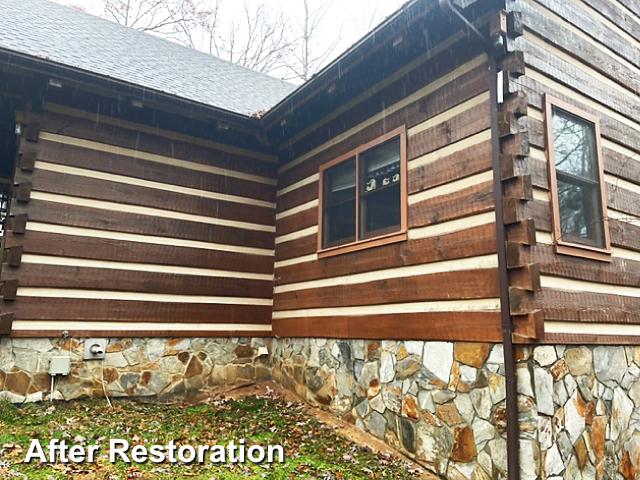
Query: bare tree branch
[260, 35]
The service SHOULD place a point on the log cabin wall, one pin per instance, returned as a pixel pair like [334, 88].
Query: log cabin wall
[584, 53]
[442, 281]
[122, 229]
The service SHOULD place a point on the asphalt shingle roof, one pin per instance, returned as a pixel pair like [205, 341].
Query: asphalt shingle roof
[43, 29]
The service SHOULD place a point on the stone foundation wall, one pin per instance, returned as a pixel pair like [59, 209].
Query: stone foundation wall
[442, 403]
[156, 367]
[579, 412]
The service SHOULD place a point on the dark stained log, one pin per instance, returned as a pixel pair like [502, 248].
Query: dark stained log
[522, 232]
[468, 201]
[27, 161]
[574, 45]
[540, 210]
[459, 326]
[519, 188]
[56, 276]
[107, 249]
[587, 23]
[9, 287]
[539, 173]
[466, 86]
[32, 132]
[467, 284]
[513, 64]
[17, 223]
[12, 256]
[619, 271]
[514, 254]
[513, 210]
[622, 166]
[508, 124]
[296, 248]
[417, 112]
[515, 145]
[462, 125]
[44, 308]
[515, 25]
[52, 333]
[6, 321]
[467, 162]
[623, 200]
[617, 15]
[513, 166]
[498, 23]
[104, 190]
[297, 197]
[515, 104]
[22, 192]
[106, 162]
[577, 306]
[71, 215]
[568, 74]
[475, 241]
[157, 144]
[529, 326]
[624, 234]
[586, 339]
[297, 221]
[527, 277]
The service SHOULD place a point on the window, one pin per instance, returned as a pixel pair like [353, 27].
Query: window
[576, 181]
[363, 196]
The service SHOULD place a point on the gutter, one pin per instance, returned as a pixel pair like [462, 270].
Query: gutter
[490, 44]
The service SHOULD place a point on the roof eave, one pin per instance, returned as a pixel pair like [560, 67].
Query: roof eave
[87, 78]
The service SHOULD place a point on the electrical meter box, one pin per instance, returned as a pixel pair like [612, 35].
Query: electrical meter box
[60, 365]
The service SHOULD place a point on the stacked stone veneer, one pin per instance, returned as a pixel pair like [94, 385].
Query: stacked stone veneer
[579, 412]
[442, 403]
[163, 368]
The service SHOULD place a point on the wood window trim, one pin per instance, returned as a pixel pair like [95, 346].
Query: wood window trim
[392, 237]
[563, 246]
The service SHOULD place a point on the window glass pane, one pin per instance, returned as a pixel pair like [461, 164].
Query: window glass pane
[580, 211]
[380, 212]
[381, 165]
[380, 190]
[578, 180]
[339, 204]
[574, 145]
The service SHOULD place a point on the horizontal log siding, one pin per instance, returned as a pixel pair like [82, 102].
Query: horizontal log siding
[441, 283]
[587, 54]
[131, 232]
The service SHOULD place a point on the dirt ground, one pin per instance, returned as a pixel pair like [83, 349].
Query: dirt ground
[346, 429]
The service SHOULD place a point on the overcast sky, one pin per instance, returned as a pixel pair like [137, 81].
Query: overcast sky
[347, 19]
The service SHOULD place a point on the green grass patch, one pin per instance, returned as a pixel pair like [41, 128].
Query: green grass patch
[312, 449]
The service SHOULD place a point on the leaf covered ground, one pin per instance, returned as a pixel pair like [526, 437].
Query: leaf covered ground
[313, 450]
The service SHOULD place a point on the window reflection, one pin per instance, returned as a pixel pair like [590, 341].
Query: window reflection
[380, 193]
[339, 204]
[577, 176]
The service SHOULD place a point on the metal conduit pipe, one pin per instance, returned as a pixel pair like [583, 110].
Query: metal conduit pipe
[505, 310]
